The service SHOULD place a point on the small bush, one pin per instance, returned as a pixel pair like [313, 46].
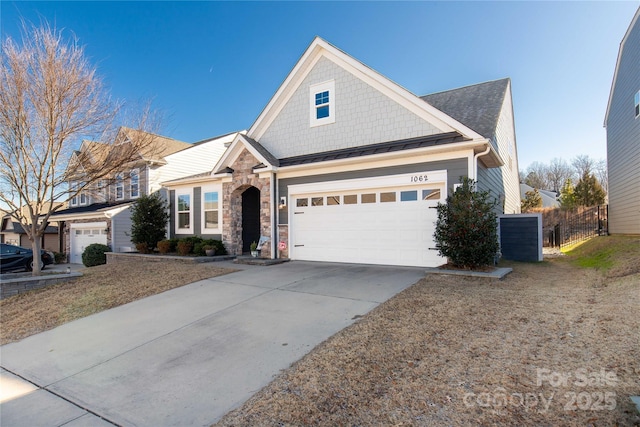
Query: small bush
[184, 247]
[164, 246]
[142, 248]
[173, 244]
[95, 254]
[59, 257]
[467, 227]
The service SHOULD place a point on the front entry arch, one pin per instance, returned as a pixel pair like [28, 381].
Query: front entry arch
[250, 217]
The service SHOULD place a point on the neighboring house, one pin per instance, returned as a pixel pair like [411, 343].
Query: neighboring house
[102, 213]
[549, 198]
[11, 232]
[345, 165]
[622, 121]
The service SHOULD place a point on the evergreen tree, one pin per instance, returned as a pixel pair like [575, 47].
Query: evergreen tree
[467, 227]
[568, 196]
[149, 219]
[588, 191]
[532, 200]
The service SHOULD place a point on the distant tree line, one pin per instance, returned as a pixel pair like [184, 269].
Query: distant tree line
[582, 182]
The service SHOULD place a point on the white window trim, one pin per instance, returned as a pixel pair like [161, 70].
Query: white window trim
[209, 189]
[131, 172]
[119, 183]
[313, 90]
[184, 192]
[73, 201]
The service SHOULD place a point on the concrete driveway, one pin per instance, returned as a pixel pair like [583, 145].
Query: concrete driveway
[190, 355]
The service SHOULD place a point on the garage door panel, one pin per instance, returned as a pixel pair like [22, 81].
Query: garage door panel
[396, 232]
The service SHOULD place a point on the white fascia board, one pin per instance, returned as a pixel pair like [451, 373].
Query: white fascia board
[234, 150]
[405, 98]
[189, 181]
[84, 215]
[419, 155]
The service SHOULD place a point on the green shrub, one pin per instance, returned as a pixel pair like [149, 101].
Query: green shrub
[94, 254]
[164, 246]
[200, 250]
[173, 244]
[149, 219]
[59, 257]
[467, 227]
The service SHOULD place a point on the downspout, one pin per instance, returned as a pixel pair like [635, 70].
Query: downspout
[475, 161]
[274, 205]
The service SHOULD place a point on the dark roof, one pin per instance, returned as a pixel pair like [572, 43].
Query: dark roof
[384, 147]
[263, 151]
[19, 229]
[476, 106]
[95, 207]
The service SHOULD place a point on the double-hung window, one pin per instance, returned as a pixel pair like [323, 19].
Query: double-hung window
[211, 210]
[184, 212]
[322, 103]
[119, 186]
[134, 186]
[637, 104]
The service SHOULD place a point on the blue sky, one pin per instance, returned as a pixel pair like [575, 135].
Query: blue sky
[213, 66]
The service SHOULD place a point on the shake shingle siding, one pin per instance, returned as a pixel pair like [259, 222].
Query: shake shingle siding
[363, 116]
[623, 137]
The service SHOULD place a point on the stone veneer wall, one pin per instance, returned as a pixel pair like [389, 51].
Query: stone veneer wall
[243, 178]
[283, 236]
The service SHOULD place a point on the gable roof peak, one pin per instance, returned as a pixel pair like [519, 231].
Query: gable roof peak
[478, 106]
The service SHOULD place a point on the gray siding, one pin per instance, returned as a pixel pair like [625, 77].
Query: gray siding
[363, 116]
[121, 224]
[455, 169]
[623, 140]
[503, 182]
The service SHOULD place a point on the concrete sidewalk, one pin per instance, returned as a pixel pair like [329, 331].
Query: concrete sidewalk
[191, 354]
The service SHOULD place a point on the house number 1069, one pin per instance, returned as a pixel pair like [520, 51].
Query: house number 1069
[419, 178]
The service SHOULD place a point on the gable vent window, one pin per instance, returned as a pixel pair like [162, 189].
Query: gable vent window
[637, 104]
[322, 103]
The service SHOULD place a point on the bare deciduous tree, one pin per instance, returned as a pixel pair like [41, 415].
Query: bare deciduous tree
[51, 98]
[537, 176]
[558, 173]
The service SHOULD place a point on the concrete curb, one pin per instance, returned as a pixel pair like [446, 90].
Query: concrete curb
[498, 273]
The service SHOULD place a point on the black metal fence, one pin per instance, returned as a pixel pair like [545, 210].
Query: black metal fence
[580, 226]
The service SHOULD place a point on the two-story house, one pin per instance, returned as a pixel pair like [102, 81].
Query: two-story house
[345, 165]
[100, 213]
[622, 121]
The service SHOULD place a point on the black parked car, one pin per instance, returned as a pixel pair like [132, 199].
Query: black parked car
[17, 258]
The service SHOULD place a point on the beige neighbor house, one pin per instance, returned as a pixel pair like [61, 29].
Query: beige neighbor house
[345, 165]
[102, 213]
[622, 121]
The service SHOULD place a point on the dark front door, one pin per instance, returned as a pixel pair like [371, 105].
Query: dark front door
[250, 217]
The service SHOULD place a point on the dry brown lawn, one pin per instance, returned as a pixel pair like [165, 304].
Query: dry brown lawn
[555, 343]
[100, 288]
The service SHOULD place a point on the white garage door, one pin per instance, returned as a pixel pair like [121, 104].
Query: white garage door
[374, 225]
[83, 235]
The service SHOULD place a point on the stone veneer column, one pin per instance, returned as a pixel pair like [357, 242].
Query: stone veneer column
[243, 177]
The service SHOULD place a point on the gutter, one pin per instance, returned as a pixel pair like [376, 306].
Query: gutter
[475, 161]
